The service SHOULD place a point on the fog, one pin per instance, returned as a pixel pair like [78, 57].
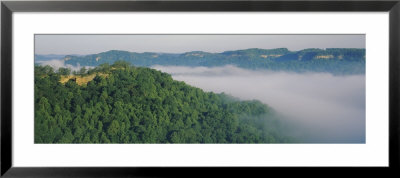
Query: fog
[57, 63]
[321, 107]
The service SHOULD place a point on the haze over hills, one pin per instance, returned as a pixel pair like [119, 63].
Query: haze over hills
[47, 57]
[331, 60]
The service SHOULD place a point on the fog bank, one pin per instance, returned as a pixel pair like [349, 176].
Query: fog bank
[58, 63]
[323, 107]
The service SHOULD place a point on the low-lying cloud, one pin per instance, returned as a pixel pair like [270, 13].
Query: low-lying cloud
[58, 63]
[325, 108]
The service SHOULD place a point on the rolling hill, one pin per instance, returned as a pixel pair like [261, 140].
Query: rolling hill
[121, 103]
[332, 60]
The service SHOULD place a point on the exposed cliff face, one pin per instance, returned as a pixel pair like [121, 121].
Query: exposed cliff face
[271, 56]
[324, 57]
[67, 58]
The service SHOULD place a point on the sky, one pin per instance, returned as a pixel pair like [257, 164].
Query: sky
[93, 44]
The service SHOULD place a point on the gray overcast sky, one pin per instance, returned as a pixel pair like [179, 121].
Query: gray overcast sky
[92, 44]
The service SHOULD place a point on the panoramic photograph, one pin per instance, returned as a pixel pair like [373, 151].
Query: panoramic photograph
[199, 89]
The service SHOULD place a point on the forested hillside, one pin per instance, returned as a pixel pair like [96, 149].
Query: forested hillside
[332, 60]
[121, 103]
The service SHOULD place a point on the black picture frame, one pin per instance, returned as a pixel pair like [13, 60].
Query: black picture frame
[8, 7]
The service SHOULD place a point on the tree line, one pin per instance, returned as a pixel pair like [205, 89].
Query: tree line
[341, 61]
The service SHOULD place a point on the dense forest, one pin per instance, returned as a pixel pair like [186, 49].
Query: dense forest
[121, 103]
[332, 60]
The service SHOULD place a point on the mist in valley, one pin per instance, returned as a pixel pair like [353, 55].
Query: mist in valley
[317, 107]
[60, 63]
